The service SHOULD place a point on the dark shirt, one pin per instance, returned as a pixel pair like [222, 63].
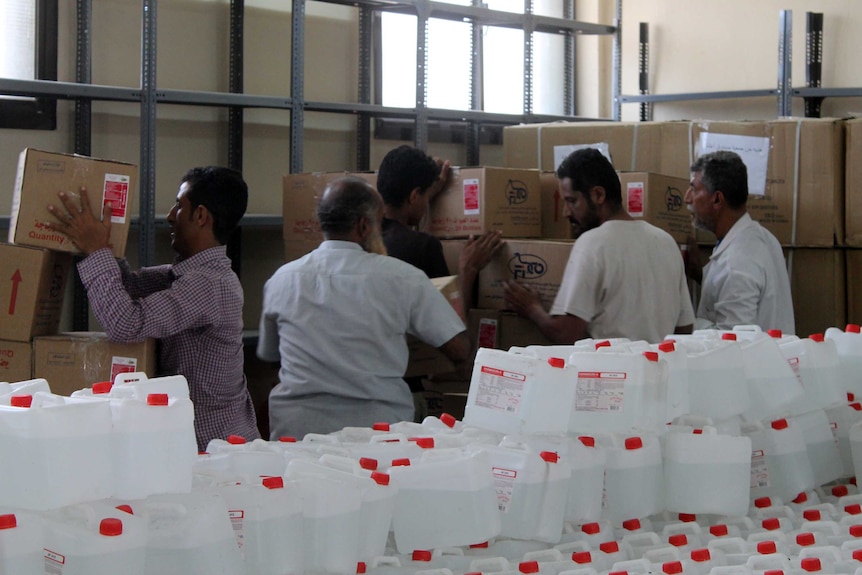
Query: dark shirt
[419, 249]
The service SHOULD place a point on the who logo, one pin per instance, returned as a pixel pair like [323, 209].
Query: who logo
[527, 267]
[516, 192]
[673, 199]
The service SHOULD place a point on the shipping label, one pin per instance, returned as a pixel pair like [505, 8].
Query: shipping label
[116, 192]
[487, 333]
[237, 521]
[635, 194]
[759, 469]
[504, 485]
[123, 365]
[471, 197]
[500, 390]
[600, 391]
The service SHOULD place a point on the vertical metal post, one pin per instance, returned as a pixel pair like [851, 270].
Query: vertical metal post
[570, 82]
[616, 80]
[363, 121]
[297, 84]
[643, 71]
[423, 13]
[147, 219]
[785, 49]
[83, 137]
[813, 61]
[529, 29]
[477, 100]
[235, 116]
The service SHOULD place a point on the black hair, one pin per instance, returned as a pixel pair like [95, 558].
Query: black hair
[586, 168]
[223, 192]
[402, 170]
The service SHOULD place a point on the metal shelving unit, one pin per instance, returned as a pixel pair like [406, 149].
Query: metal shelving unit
[149, 95]
[813, 93]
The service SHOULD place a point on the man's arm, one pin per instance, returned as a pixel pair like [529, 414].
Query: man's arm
[476, 254]
[560, 329]
[457, 349]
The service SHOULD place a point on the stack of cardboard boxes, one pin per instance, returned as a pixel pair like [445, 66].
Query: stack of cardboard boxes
[35, 267]
[797, 187]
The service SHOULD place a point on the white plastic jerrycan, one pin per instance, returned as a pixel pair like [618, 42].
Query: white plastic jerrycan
[44, 437]
[94, 539]
[619, 392]
[779, 462]
[520, 393]
[706, 472]
[848, 343]
[717, 383]
[21, 543]
[815, 361]
[633, 476]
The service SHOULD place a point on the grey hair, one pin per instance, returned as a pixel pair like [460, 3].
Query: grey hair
[344, 202]
[724, 170]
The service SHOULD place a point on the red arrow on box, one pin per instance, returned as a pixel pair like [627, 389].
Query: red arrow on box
[16, 279]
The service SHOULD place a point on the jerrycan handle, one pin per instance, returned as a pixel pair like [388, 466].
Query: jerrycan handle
[544, 555]
[388, 438]
[166, 510]
[130, 378]
[335, 450]
[490, 565]
[341, 463]
[447, 551]
[319, 438]
[385, 561]
[747, 328]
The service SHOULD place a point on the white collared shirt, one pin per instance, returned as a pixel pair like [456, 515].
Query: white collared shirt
[746, 282]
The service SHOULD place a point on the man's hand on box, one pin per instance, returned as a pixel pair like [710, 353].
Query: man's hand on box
[522, 300]
[78, 223]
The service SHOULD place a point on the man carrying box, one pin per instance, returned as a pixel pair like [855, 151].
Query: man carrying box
[193, 307]
[336, 319]
[624, 277]
[408, 179]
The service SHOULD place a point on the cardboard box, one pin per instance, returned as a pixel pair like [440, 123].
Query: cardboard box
[42, 174]
[74, 360]
[31, 291]
[15, 361]
[658, 147]
[426, 359]
[658, 199]
[555, 224]
[818, 284]
[301, 193]
[804, 163]
[853, 182]
[482, 199]
[538, 264]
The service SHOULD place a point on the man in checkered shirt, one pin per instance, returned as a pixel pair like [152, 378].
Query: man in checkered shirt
[193, 307]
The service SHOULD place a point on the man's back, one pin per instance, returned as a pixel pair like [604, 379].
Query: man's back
[746, 281]
[337, 320]
[626, 278]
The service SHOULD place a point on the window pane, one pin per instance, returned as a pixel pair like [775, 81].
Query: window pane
[399, 60]
[449, 64]
[18, 34]
[548, 77]
[504, 71]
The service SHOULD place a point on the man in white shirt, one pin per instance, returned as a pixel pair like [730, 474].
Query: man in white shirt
[624, 277]
[337, 320]
[745, 281]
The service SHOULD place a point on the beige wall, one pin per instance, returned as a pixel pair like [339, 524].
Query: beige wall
[697, 45]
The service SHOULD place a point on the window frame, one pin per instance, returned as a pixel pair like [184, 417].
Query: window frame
[37, 113]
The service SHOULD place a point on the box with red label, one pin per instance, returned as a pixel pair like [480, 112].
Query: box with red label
[538, 264]
[15, 361]
[74, 360]
[482, 199]
[31, 291]
[658, 199]
[301, 192]
[42, 174]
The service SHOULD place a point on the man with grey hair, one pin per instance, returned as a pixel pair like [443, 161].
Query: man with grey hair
[336, 319]
[745, 281]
